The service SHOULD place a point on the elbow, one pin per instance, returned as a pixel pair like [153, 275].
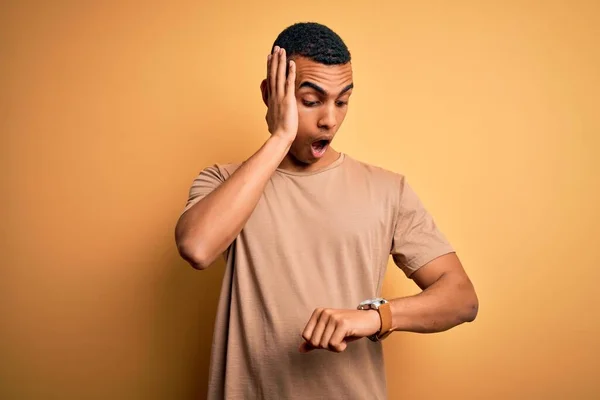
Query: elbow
[199, 264]
[194, 255]
[190, 248]
[470, 308]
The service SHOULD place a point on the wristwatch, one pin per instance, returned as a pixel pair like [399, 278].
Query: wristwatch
[385, 313]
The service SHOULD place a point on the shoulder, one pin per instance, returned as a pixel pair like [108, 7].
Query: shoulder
[375, 174]
[218, 171]
[226, 170]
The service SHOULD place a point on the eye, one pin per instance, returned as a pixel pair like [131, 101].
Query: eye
[310, 103]
[341, 103]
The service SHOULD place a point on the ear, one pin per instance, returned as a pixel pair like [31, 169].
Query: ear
[265, 92]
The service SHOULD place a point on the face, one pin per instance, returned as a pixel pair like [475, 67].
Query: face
[322, 94]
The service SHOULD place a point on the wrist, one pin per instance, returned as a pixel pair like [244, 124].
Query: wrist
[376, 320]
[382, 307]
[278, 145]
[285, 137]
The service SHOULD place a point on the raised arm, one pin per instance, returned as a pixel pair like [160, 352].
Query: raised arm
[206, 229]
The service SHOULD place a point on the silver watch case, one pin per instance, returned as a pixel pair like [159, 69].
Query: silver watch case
[372, 304]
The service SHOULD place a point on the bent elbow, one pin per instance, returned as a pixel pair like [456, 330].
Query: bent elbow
[194, 255]
[471, 308]
[472, 313]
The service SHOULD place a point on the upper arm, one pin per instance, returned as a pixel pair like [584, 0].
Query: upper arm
[205, 182]
[445, 276]
[445, 265]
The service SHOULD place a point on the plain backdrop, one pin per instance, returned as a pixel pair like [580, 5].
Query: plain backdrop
[109, 110]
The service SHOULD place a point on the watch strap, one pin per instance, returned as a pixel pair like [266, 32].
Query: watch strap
[385, 313]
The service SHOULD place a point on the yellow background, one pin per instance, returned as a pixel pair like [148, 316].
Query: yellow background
[108, 111]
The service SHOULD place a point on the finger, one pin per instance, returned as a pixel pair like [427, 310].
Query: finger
[273, 70]
[291, 79]
[338, 337]
[269, 74]
[329, 329]
[315, 339]
[281, 74]
[310, 326]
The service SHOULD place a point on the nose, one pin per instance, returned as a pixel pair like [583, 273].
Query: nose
[327, 119]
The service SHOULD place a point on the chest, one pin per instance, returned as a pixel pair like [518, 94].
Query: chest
[323, 215]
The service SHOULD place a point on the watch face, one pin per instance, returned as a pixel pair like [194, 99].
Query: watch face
[377, 301]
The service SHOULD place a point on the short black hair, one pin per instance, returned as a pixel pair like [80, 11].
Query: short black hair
[313, 41]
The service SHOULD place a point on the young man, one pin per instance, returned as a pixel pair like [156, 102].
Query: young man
[307, 232]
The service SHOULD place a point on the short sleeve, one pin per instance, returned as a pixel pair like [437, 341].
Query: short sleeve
[207, 180]
[417, 240]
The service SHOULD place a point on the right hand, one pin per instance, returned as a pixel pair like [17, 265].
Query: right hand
[282, 113]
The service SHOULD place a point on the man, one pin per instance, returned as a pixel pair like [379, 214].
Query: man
[307, 233]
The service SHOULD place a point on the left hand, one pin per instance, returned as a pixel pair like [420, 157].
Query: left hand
[332, 329]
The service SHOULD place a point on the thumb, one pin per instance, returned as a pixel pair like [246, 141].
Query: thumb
[305, 347]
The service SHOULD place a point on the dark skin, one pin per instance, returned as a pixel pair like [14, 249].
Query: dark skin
[447, 298]
[322, 94]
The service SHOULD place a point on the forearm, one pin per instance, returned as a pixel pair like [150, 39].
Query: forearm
[209, 227]
[448, 302]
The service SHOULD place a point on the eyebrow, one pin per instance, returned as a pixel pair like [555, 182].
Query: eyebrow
[321, 90]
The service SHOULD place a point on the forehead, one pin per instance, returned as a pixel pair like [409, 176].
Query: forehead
[332, 78]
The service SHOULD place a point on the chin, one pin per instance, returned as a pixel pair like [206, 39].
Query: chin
[303, 158]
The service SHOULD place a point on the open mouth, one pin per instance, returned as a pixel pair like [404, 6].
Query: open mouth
[318, 147]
